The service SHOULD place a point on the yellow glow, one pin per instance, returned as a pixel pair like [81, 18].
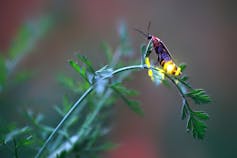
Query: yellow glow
[159, 69]
[178, 72]
[170, 68]
[150, 73]
[161, 72]
[176, 81]
[147, 61]
[166, 64]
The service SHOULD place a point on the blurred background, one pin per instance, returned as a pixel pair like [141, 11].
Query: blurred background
[200, 33]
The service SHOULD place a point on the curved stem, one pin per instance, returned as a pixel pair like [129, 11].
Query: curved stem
[88, 91]
[176, 85]
[15, 149]
[76, 104]
[127, 68]
[147, 47]
[184, 83]
[180, 92]
[85, 127]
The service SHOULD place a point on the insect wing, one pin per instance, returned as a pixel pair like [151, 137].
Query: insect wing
[165, 50]
[162, 53]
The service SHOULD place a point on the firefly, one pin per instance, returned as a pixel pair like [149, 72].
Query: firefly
[164, 57]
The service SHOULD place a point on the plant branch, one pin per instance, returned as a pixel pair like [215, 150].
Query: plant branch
[15, 148]
[180, 92]
[88, 91]
[184, 83]
[85, 127]
[76, 104]
[91, 88]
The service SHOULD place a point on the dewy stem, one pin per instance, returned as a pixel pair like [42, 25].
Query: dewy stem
[88, 91]
[76, 104]
[128, 68]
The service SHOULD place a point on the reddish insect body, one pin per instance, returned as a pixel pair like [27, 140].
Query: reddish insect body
[164, 57]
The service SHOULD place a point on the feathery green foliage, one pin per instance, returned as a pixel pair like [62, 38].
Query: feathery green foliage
[84, 123]
[199, 96]
[101, 80]
[195, 119]
[123, 92]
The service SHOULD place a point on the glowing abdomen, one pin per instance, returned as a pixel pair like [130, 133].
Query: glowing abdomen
[170, 67]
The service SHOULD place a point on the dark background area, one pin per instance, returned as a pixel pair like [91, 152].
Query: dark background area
[199, 33]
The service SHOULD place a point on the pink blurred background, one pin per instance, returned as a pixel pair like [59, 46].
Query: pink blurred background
[201, 33]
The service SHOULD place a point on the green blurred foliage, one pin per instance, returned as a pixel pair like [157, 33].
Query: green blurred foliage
[25, 40]
[16, 140]
[81, 131]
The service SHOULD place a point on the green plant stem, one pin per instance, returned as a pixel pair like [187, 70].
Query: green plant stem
[87, 92]
[184, 83]
[92, 116]
[176, 85]
[59, 139]
[180, 92]
[85, 127]
[15, 148]
[128, 68]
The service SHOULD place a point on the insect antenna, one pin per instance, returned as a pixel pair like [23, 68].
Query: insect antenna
[148, 28]
[141, 32]
[147, 35]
